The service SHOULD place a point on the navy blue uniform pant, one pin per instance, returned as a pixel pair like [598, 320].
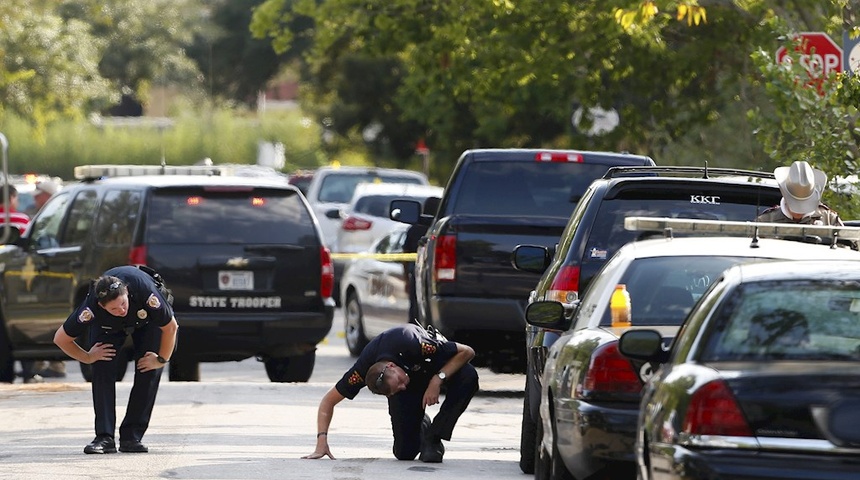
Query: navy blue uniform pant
[407, 413]
[142, 397]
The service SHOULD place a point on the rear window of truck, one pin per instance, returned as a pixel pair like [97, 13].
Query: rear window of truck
[524, 188]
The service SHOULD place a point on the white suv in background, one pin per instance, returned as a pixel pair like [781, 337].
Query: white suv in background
[366, 219]
[332, 188]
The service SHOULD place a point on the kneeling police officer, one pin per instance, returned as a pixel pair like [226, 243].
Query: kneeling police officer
[124, 301]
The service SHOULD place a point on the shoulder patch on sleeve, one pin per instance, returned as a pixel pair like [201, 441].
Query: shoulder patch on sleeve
[153, 301]
[85, 316]
[355, 378]
[427, 349]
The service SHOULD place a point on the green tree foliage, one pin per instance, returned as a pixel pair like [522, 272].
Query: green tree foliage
[236, 64]
[48, 67]
[509, 74]
[144, 40]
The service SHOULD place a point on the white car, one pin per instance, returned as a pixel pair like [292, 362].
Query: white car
[332, 188]
[374, 291]
[366, 218]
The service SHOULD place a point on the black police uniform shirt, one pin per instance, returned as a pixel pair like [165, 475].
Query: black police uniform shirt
[145, 305]
[409, 346]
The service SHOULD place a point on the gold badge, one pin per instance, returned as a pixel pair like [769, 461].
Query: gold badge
[141, 314]
[153, 301]
[428, 349]
[355, 378]
[85, 316]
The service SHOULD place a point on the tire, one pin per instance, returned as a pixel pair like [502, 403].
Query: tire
[528, 436]
[291, 369]
[182, 370]
[353, 325]
[7, 361]
[542, 464]
[557, 469]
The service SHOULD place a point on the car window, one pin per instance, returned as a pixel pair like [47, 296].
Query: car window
[608, 233]
[524, 188]
[787, 320]
[183, 216]
[339, 187]
[664, 289]
[45, 230]
[117, 217]
[80, 219]
[375, 205]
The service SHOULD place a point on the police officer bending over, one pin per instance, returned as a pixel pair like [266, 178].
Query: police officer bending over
[408, 365]
[124, 301]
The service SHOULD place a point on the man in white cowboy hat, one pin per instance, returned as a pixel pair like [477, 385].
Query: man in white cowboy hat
[801, 187]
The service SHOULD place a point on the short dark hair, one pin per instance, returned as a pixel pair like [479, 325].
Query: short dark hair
[108, 288]
[13, 192]
[375, 378]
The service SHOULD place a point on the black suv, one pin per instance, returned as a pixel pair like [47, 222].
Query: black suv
[596, 231]
[243, 257]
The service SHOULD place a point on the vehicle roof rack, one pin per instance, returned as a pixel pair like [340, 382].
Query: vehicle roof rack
[734, 228]
[91, 172]
[701, 172]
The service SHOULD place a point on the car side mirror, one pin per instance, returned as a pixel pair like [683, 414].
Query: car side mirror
[548, 315]
[405, 211]
[530, 258]
[646, 345]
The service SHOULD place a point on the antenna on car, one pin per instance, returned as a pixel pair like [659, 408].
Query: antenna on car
[706, 170]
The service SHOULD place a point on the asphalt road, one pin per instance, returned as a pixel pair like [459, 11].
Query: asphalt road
[235, 424]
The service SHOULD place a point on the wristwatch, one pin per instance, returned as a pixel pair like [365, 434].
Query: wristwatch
[442, 376]
[161, 359]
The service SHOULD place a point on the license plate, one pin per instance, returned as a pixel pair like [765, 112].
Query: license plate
[235, 280]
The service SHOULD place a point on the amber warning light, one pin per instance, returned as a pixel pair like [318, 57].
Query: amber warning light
[258, 201]
[193, 201]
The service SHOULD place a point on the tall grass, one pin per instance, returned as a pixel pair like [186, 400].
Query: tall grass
[225, 136]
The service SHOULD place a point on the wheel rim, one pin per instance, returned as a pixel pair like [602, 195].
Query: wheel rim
[353, 321]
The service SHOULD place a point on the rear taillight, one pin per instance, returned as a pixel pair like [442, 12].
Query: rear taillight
[351, 224]
[565, 285]
[713, 410]
[609, 372]
[326, 273]
[137, 255]
[445, 261]
[558, 157]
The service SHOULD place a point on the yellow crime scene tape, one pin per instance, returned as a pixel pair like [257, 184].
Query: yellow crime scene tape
[384, 257]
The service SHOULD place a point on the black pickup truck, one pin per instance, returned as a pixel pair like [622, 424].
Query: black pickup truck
[495, 200]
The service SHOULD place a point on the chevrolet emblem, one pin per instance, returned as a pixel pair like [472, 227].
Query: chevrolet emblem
[237, 262]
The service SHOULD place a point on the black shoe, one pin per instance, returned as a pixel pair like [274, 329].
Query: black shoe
[101, 444]
[34, 379]
[132, 446]
[48, 373]
[432, 449]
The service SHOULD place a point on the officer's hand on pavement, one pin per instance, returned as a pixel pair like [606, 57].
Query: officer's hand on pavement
[101, 351]
[325, 452]
[149, 361]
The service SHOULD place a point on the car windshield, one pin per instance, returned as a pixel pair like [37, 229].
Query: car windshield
[663, 289]
[525, 188]
[787, 320]
[239, 217]
[339, 187]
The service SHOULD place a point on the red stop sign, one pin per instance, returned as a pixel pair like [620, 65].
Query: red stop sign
[817, 53]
